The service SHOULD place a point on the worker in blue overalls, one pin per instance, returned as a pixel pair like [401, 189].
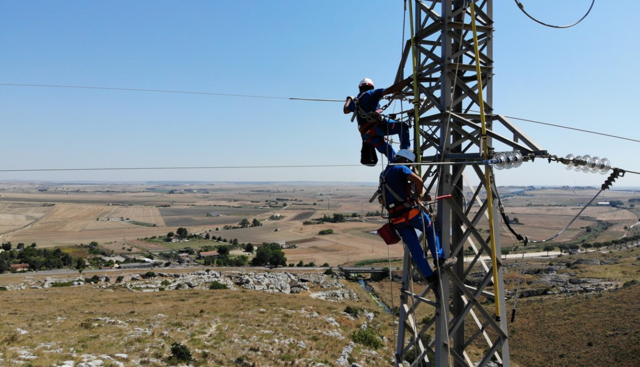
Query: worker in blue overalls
[406, 213]
[373, 126]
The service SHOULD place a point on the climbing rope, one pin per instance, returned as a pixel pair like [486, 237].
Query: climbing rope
[485, 148]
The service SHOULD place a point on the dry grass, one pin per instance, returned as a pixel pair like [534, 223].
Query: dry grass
[218, 326]
[600, 330]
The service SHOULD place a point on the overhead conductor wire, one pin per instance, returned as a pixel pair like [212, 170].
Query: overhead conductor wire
[282, 98]
[521, 6]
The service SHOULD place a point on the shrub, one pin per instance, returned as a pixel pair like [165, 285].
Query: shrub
[217, 285]
[165, 283]
[326, 231]
[62, 284]
[179, 353]
[119, 279]
[353, 311]
[94, 279]
[367, 337]
[329, 271]
[630, 283]
[149, 274]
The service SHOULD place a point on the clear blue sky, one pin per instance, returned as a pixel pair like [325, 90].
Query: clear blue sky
[583, 77]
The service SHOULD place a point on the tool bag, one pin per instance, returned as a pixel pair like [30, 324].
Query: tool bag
[389, 234]
[368, 156]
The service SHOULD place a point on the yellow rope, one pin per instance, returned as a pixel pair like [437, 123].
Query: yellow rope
[487, 172]
[416, 99]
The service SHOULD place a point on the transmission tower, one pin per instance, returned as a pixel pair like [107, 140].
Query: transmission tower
[467, 328]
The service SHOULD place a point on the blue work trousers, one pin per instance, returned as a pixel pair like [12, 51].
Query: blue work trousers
[408, 233]
[384, 128]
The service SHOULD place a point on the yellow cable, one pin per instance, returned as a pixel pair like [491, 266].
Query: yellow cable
[487, 172]
[416, 99]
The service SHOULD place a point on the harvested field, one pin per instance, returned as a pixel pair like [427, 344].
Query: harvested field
[14, 216]
[303, 216]
[176, 216]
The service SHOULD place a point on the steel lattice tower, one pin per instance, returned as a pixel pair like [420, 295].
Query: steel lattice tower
[466, 330]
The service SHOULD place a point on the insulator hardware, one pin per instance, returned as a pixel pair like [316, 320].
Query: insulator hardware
[586, 163]
[506, 160]
[612, 177]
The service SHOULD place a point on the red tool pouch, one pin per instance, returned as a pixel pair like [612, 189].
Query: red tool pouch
[389, 234]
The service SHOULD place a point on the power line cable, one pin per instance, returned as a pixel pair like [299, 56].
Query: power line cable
[573, 128]
[275, 97]
[163, 91]
[521, 6]
[175, 168]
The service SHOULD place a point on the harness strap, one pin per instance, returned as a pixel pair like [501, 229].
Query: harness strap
[400, 206]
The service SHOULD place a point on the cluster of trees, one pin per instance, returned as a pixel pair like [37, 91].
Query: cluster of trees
[269, 254]
[224, 258]
[181, 233]
[336, 218]
[245, 223]
[597, 245]
[38, 259]
[301, 264]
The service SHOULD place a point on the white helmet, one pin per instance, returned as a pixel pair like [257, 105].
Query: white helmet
[406, 153]
[365, 82]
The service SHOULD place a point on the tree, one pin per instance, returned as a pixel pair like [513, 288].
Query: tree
[223, 250]
[207, 236]
[182, 232]
[33, 245]
[277, 258]
[80, 265]
[4, 267]
[6, 246]
[515, 220]
[170, 234]
[244, 223]
[248, 248]
[338, 218]
[255, 223]
[263, 255]
[548, 248]
[587, 246]
[588, 229]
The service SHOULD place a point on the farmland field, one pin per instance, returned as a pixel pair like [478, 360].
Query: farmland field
[117, 215]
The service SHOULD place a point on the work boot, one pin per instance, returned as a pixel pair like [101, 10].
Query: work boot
[444, 264]
[432, 279]
[434, 283]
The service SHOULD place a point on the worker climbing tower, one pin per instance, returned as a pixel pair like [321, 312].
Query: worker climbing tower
[450, 55]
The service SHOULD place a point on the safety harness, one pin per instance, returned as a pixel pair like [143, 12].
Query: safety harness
[372, 120]
[403, 209]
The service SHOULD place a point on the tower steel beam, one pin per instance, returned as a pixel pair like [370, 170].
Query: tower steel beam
[466, 331]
